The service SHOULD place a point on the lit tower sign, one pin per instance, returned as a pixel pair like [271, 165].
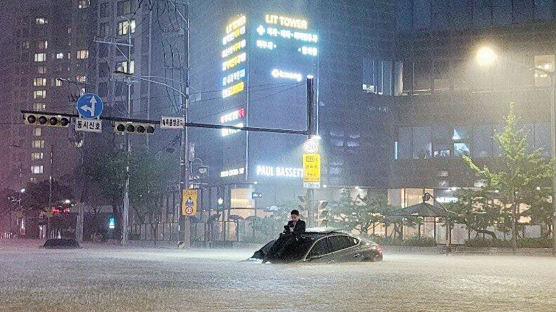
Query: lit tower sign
[234, 57]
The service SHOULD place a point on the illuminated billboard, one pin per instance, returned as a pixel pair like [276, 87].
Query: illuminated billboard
[265, 59]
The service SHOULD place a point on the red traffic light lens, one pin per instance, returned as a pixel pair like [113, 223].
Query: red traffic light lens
[140, 129]
[64, 122]
[150, 129]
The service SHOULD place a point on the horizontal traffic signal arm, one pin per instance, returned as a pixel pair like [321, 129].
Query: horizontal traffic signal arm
[187, 124]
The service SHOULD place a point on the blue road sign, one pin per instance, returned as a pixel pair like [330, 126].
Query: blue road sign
[89, 106]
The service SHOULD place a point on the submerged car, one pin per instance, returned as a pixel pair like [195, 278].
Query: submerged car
[325, 247]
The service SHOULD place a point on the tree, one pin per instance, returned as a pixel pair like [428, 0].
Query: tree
[360, 213]
[477, 210]
[36, 196]
[150, 175]
[518, 174]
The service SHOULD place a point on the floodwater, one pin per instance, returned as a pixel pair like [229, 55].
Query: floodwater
[98, 278]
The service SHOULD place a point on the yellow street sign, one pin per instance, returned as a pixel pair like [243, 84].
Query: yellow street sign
[311, 170]
[189, 203]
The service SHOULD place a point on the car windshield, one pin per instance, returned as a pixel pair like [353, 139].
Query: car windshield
[292, 250]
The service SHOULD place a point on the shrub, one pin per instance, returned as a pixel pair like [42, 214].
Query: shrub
[521, 243]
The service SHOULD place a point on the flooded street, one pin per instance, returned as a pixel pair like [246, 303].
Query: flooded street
[117, 279]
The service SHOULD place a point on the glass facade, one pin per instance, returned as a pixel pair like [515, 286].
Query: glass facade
[477, 141]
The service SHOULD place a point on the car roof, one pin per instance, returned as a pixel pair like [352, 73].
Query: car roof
[319, 234]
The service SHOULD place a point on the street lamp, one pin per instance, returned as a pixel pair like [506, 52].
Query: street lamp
[486, 56]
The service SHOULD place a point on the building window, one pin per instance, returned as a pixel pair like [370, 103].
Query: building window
[124, 25]
[546, 63]
[25, 44]
[37, 156]
[442, 141]
[37, 132]
[41, 21]
[103, 30]
[42, 45]
[422, 142]
[404, 143]
[82, 54]
[482, 141]
[37, 144]
[37, 169]
[103, 8]
[81, 78]
[33, 180]
[41, 69]
[123, 7]
[461, 149]
[39, 106]
[122, 67]
[60, 55]
[39, 82]
[39, 94]
[83, 4]
[40, 57]
[56, 82]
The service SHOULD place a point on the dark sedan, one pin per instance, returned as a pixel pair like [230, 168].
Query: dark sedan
[319, 247]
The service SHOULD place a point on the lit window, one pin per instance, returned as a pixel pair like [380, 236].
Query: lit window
[42, 45]
[546, 65]
[461, 149]
[56, 82]
[37, 169]
[83, 4]
[40, 57]
[122, 67]
[37, 144]
[25, 44]
[41, 21]
[80, 78]
[37, 132]
[82, 54]
[41, 69]
[60, 55]
[39, 94]
[124, 25]
[33, 180]
[39, 106]
[39, 82]
[37, 156]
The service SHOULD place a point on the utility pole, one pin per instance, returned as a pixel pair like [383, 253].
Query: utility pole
[125, 210]
[184, 161]
[50, 185]
[552, 76]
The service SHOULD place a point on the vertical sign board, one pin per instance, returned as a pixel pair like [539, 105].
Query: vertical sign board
[311, 170]
[189, 203]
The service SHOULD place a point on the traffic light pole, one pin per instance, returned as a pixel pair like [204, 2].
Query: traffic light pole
[310, 193]
[125, 210]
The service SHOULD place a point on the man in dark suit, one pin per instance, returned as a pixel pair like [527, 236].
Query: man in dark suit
[295, 225]
[288, 238]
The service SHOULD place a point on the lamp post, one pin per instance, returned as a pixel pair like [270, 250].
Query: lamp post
[486, 56]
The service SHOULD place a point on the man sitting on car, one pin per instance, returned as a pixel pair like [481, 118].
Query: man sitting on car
[289, 237]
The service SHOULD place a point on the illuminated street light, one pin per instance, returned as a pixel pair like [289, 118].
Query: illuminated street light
[486, 56]
[22, 190]
[67, 201]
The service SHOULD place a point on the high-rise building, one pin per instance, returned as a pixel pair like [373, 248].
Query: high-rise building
[452, 105]
[46, 60]
[249, 63]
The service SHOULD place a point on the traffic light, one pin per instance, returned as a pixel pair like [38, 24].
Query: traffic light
[49, 120]
[133, 127]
